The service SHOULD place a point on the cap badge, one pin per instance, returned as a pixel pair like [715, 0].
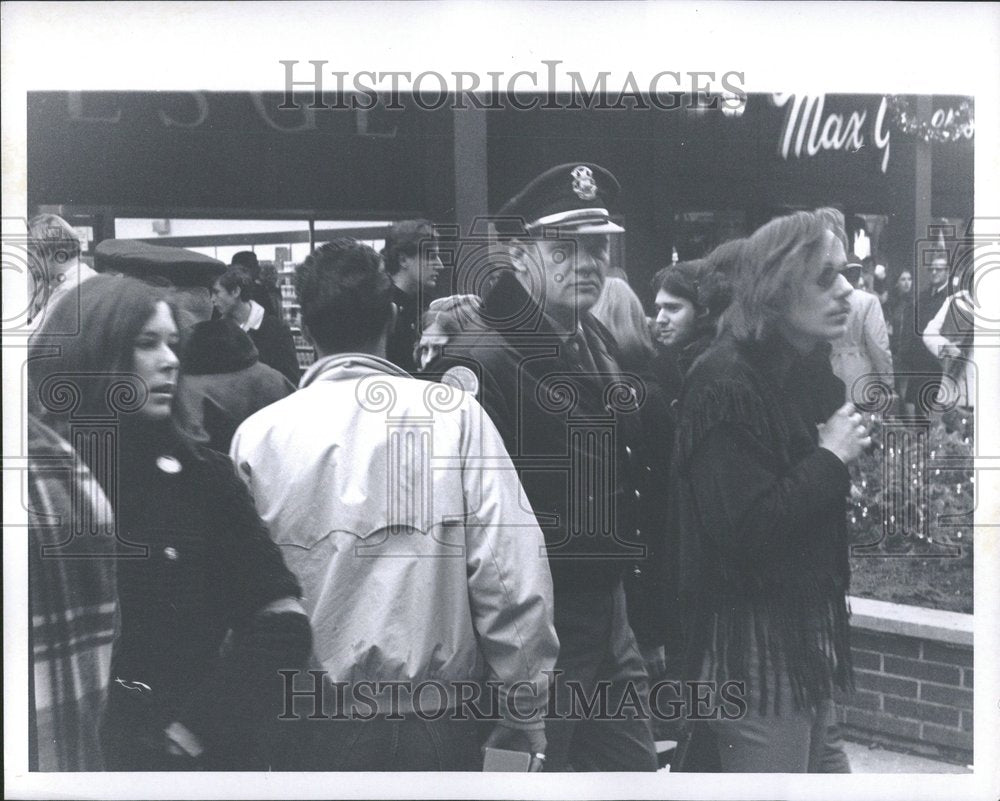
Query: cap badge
[583, 183]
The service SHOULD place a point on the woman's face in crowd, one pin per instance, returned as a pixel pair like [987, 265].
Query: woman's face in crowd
[905, 282]
[675, 318]
[156, 363]
[819, 311]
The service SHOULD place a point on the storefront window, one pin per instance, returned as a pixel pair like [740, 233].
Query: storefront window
[279, 245]
[697, 232]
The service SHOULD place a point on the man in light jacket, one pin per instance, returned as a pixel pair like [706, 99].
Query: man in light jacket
[422, 565]
[861, 357]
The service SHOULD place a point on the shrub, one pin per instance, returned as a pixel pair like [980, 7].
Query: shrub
[912, 503]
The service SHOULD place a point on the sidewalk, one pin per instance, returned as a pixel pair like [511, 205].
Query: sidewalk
[864, 759]
[880, 760]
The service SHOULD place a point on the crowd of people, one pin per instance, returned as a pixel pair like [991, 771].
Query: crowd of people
[476, 526]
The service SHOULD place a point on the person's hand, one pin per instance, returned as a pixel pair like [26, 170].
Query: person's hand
[844, 434]
[179, 740]
[531, 740]
[454, 301]
[949, 350]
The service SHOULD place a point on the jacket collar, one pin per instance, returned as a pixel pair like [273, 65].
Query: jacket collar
[256, 317]
[346, 366]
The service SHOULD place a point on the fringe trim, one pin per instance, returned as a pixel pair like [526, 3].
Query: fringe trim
[806, 638]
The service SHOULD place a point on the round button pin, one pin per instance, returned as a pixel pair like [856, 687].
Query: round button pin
[463, 378]
[168, 464]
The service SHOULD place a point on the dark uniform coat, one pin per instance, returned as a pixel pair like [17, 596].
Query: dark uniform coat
[572, 429]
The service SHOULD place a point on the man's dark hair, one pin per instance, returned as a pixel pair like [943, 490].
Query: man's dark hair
[344, 296]
[237, 278]
[404, 239]
[247, 259]
[681, 280]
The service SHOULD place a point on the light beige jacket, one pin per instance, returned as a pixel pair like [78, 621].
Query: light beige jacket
[862, 354]
[398, 509]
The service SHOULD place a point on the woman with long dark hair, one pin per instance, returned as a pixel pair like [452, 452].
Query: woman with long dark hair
[760, 477]
[195, 562]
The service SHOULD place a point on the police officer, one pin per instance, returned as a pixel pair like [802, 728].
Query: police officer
[547, 374]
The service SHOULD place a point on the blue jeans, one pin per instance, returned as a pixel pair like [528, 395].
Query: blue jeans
[805, 740]
[796, 741]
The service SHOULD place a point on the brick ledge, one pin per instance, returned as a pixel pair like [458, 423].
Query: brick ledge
[911, 621]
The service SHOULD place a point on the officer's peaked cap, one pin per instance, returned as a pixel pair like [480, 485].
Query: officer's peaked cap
[572, 198]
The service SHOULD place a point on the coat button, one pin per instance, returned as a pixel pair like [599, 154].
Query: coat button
[171, 553]
[636, 571]
[638, 494]
[628, 451]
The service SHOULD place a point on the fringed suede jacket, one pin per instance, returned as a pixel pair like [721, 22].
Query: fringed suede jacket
[760, 521]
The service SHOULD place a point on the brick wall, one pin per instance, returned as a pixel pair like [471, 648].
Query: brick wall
[915, 691]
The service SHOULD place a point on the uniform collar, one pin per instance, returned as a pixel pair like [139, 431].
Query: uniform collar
[344, 366]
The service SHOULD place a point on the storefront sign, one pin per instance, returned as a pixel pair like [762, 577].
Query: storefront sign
[191, 110]
[808, 130]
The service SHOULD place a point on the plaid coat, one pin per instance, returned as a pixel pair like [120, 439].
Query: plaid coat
[73, 608]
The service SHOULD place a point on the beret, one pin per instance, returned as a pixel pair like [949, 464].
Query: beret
[575, 198]
[141, 260]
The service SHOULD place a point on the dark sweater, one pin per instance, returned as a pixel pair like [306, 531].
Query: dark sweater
[761, 519]
[405, 332]
[276, 347]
